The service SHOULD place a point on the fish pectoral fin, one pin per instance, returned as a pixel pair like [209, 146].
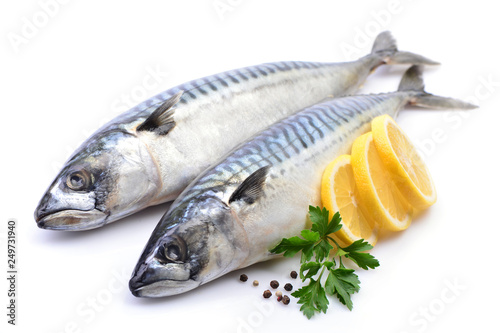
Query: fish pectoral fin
[161, 121]
[252, 187]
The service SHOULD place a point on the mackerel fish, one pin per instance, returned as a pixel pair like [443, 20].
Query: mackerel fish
[149, 154]
[242, 206]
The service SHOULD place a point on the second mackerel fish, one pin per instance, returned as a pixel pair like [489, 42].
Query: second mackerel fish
[237, 210]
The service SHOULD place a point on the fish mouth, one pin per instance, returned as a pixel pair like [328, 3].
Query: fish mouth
[72, 220]
[161, 288]
[155, 279]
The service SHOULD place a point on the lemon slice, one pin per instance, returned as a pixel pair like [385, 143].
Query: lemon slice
[340, 194]
[402, 160]
[377, 190]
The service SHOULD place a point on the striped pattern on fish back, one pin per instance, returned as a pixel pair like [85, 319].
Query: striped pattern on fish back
[215, 83]
[331, 121]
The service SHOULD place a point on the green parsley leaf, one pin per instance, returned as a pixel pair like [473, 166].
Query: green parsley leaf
[317, 242]
[363, 260]
[312, 297]
[307, 254]
[290, 246]
[334, 224]
[358, 246]
[322, 249]
[312, 269]
[309, 235]
[342, 283]
[304, 295]
[320, 217]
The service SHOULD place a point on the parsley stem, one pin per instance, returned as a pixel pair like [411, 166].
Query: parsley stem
[333, 240]
[341, 265]
[321, 274]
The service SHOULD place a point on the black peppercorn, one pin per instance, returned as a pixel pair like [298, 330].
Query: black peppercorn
[274, 284]
[293, 274]
[286, 300]
[243, 277]
[267, 294]
[288, 287]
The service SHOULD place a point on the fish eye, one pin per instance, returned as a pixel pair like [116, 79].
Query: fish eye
[175, 250]
[78, 180]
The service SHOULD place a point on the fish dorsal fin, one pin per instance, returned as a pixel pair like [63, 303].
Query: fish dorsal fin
[161, 121]
[252, 187]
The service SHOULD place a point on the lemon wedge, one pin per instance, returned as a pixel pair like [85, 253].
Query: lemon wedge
[403, 162]
[339, 193]
[378, 192]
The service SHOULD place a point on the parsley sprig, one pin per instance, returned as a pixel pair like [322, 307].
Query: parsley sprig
[315, 245]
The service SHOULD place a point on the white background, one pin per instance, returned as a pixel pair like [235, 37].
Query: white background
[75, 71]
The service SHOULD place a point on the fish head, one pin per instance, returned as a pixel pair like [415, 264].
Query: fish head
[110, 176]
[194, 243]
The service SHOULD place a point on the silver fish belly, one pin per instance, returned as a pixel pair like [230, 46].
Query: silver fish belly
[233, 213]
[151, 153]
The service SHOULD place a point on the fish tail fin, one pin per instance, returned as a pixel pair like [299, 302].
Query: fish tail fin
[412, 81]
[386, 49]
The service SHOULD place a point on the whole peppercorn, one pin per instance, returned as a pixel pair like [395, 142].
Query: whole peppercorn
[293, 274]
[267, 294]
[286, 300]
[280, 298]
[278, 293]
[255, 283]
[274, 284]
[288, 287]
[243, 277]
